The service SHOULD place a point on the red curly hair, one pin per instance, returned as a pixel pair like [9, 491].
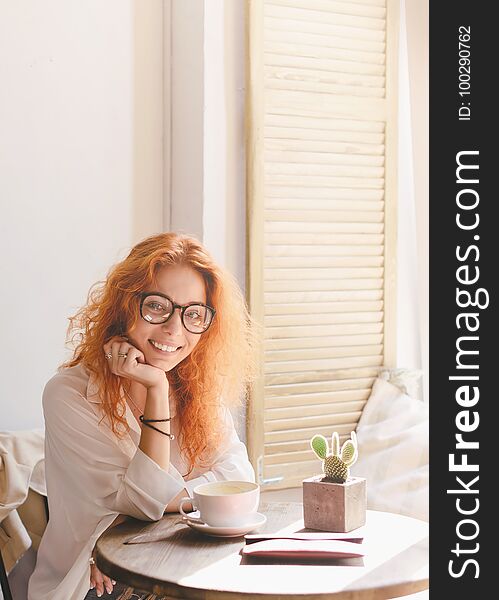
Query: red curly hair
[217, 369]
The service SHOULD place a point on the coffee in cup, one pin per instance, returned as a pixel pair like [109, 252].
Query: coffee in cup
[223, 503]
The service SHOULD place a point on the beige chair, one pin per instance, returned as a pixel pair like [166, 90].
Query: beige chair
[23, 506]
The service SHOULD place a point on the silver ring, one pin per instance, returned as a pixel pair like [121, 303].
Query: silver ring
[108, 356]
[91, 560]
[122, 354]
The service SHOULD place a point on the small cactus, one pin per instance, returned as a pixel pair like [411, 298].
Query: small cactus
[335, 465]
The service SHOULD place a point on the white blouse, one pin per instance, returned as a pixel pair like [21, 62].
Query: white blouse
[92, 476]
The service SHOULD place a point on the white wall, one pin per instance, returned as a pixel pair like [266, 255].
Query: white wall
[186, 118]
[81, 176]
[225, 136]
[207, 126]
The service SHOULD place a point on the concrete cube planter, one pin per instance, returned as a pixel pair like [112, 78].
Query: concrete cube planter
[337, 507]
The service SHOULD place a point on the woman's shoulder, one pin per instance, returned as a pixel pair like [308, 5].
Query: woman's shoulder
[66, 385]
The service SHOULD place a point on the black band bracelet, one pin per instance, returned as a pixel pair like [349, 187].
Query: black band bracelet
[142, 420]
[170, 435]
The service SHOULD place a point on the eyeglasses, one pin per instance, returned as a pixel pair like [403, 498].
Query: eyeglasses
[156, 308]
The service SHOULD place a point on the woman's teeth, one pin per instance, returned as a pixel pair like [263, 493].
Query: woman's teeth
[163, 347]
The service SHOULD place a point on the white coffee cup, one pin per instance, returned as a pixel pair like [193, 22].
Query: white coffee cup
[223, 503]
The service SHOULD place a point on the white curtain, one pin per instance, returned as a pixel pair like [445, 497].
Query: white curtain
[413, 271]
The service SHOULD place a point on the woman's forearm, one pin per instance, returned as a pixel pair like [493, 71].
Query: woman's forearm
[153, 443]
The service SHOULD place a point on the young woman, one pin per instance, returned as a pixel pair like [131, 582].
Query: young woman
[140, 415]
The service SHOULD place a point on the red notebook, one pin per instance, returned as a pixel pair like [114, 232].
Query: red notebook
[304, 549]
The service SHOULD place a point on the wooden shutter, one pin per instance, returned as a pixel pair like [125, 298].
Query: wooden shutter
[321, 217]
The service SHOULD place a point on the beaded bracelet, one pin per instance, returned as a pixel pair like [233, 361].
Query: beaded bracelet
[170, 435]
[142, 420]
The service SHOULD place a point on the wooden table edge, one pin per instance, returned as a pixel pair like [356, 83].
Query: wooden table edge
[149, 584]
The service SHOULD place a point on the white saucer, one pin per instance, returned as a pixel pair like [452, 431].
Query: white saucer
[256, 521]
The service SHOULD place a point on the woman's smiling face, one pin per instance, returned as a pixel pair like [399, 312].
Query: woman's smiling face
[166, 345]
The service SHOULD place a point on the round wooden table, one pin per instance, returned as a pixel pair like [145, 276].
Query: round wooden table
[169, 558]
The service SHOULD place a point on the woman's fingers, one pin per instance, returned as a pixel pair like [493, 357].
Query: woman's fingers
[116, 339]
[125, 360]
[102, 583]
[133, 356]
[98, 580]
[120, 352]
[108, 584]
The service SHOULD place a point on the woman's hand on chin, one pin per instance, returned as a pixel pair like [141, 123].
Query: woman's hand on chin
[127, 361]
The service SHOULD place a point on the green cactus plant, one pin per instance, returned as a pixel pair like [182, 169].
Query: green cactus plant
[335, 465]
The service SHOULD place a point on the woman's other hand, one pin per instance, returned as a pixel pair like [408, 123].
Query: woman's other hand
[128, 361]
[98, 580]
[173, 505]
[102, 583]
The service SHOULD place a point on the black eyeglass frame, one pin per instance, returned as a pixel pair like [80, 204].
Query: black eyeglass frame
[183, 308]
